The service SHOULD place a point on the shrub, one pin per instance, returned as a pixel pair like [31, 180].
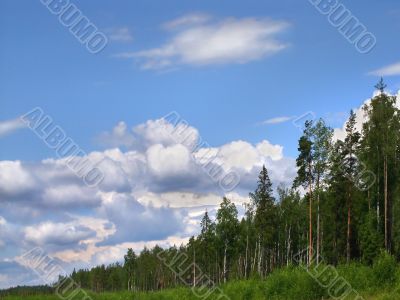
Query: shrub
[385, 270]
[360, 277]
[292, 283]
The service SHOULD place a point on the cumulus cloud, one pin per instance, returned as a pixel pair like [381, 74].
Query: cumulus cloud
[111, 253]
[69, 195]
[137, 222]
[48, 233]
[169, 165]
[156, 162]
[199, 41]
[340, 133]
[15, 179]
[243, 155]
[155, 190]
[169, 161]
[142, 136]
[119, 136]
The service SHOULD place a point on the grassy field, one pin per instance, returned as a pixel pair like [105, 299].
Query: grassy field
[235, 291]
[238, 290]
[380, 282]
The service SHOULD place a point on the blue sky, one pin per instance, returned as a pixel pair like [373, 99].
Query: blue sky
[44, 65]
[165, 56]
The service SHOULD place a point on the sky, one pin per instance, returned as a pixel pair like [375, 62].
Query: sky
[242, 76]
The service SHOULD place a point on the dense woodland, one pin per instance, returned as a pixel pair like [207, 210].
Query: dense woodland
[343, 206]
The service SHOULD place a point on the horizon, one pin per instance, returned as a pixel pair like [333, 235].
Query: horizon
[154, 97]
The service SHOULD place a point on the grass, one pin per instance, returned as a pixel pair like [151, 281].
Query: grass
[243, 290]
[380, 282]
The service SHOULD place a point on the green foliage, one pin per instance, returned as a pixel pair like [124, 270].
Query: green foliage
[385, 270]
[265, 217]
[350, 216]
[292, 283]
[360, 277]
[371, 241]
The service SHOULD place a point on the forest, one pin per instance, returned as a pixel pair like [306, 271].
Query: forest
[342, 209]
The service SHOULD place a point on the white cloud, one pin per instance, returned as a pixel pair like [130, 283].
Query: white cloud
[266, 149]
[390, 70]
[154, 191]
[361, 118]
[168, 166]
[147, 134]
[49, 233]
[121, 34]
[240, 154]
[9, 126]
[277, 120]
[102, 229]
[68, 195]
[340, 133]
[228, 41]
[168, 161]
[155, 162]
[118, 136]
[189, 19]
[14, 178]
[96, 255]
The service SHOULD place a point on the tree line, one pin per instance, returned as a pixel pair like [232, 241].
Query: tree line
[343, 206]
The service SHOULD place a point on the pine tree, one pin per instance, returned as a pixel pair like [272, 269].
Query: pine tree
[265, 218]
[380, 145]
[335, 208]
[207, 243]
[351, 145]
[321, 147]
[305, 175]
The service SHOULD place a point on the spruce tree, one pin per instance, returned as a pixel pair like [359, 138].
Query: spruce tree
[265, 219]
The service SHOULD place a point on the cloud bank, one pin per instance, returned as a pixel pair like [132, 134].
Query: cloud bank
[154, 191]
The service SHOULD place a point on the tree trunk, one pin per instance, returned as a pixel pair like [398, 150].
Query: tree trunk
[255, 258]
[369, 200]
[318, 223]
[246, 259]
[386, 202]
[310, 253]
[260, 257]
[378, 192]
[348, 250]
[194, 268]
[225, 262]
[288, 247]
